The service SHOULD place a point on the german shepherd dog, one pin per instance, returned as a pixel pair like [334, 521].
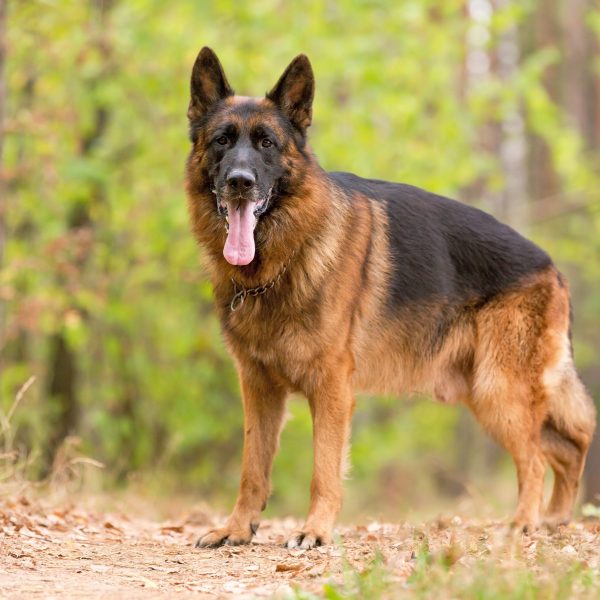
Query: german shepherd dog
[327, 283]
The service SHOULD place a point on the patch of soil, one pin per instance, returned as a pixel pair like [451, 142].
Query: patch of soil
[74, 552]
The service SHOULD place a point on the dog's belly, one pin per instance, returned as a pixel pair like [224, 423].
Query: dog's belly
[394, 360]
[385, 370]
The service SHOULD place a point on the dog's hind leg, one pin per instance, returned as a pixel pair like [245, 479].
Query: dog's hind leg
[566, 436]
[531, 467]
[527, 394]
[509, 419]
[264, 406]
[508, 395]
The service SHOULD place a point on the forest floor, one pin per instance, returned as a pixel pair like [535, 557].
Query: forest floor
[70, 551]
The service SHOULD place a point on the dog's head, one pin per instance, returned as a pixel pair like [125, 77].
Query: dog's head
[248, 150]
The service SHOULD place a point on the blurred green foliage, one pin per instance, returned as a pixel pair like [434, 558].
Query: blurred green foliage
[99, 250]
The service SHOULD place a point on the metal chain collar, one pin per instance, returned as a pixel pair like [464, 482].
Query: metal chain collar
[240, 293]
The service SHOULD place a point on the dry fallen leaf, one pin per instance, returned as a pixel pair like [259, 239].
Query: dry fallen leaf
[172, 528]
[148, 583]
[15, 555]
[283, 567]
[111, 526]
[315, 571]
[168, 571]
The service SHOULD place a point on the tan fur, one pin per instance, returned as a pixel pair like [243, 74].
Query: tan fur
[323, 330]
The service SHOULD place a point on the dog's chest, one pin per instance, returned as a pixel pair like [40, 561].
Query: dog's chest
[288, 344]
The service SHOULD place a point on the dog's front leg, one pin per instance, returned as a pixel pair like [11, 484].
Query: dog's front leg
[264, 406]
[331, 404]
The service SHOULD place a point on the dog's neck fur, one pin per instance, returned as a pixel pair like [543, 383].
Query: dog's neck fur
[280, 235]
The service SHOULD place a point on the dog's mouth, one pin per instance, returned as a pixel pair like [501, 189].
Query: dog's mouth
[242, 215]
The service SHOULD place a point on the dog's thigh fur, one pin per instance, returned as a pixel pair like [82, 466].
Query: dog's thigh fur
[526, 393]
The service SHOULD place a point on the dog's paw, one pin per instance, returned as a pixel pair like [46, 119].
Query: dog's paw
[525, 526]
[226, 536]
[307, 539]
[555, 520]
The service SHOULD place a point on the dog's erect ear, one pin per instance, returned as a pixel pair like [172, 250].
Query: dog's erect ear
[208, 84]
[294, 92]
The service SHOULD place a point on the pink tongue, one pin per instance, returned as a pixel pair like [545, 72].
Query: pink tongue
[239, 247]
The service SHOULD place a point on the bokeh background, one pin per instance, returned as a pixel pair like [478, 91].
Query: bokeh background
[102, 294]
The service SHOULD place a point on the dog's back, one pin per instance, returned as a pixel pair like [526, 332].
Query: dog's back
[442, 249]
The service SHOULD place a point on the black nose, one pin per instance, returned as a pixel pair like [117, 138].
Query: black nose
[241, 180]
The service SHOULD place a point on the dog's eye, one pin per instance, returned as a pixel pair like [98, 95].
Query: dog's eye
[222, 140]
[266, 143]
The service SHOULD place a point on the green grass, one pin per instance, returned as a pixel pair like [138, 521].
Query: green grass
[445, 576]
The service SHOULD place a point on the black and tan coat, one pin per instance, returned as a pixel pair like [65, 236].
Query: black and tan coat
[364, 285]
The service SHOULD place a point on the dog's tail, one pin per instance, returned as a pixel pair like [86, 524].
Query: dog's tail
[569, 426]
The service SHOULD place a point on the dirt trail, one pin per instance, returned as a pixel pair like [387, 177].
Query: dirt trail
[70, 552]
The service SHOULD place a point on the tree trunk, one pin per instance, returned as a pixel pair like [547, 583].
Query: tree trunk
[62, 361]
[2, 174]
[542, 31]
[62, 389]
[580, 88]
